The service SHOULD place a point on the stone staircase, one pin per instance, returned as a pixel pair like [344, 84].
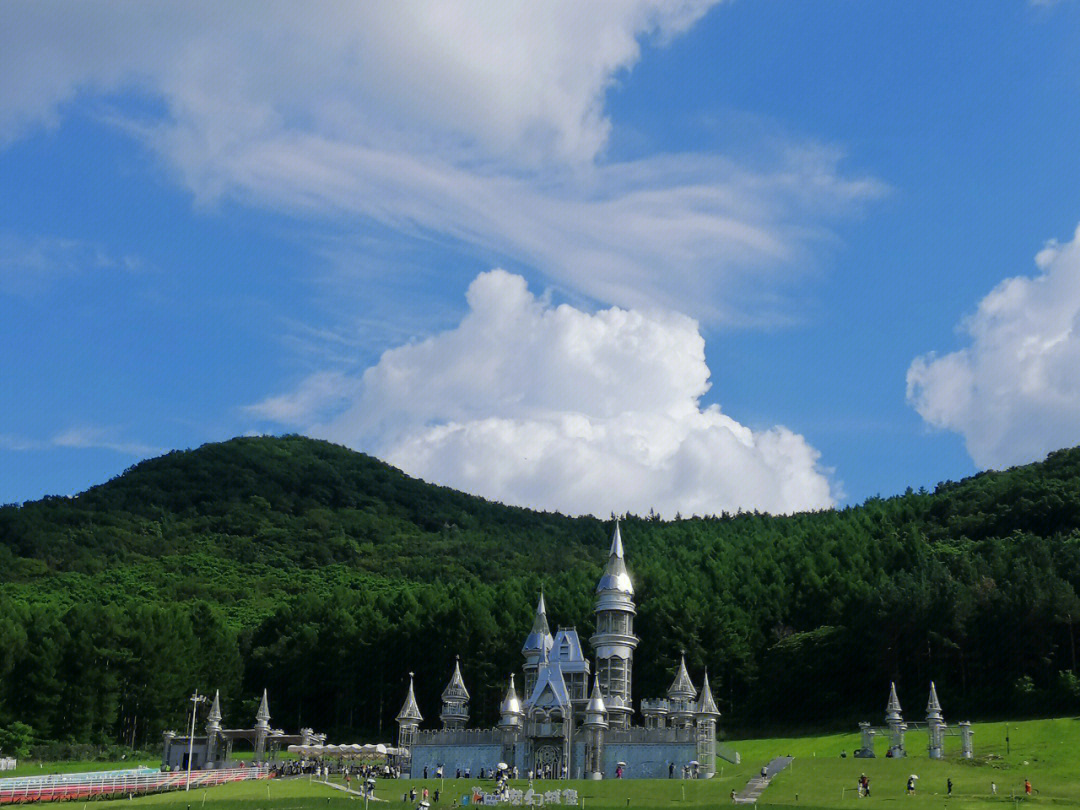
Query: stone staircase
[756, 786]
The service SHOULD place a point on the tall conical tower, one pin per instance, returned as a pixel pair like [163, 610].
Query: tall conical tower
[213, 728]
[935, 725]
[409, 719]
[614, 641]
[536, 645]
[706, 716]
[894, 719]
[262, 728]
[455, 698]
[596, 722]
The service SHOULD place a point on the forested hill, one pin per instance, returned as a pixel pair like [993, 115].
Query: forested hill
[326, 575]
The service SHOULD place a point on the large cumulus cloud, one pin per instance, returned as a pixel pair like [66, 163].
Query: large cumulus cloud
[557, 408]
[1014, 391]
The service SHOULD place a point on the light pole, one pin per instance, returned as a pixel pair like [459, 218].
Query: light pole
[196, 699]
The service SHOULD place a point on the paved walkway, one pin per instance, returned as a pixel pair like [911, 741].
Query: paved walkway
[344, 789]
[757, 785]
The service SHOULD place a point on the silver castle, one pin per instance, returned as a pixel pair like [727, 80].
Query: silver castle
[559, 727]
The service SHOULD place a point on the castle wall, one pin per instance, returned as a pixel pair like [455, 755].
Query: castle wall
[451, 757]
[647, 760]
[643, 760]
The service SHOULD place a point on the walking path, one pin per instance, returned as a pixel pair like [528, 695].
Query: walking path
[757, 785]
[344, 789]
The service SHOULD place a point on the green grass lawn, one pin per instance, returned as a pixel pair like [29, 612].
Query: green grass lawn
[1045, 751]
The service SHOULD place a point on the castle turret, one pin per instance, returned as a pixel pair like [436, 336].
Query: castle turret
[408, 719]
[682, 695]
[213, 728]
[935, 725]
[511, 714]
[538, 642]
[455, 698]
[594, 726]
[895, 721]
[614, 641]
[706, 716]
[262, 728]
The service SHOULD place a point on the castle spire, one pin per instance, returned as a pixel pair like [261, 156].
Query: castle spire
[262, 717]
[892, 710]
[455, 690]
[510, 710]
[615, 577]
[213, 720]
[933, 708]
[706, 705]
[682, 688]
[540, 635]
[409, 710]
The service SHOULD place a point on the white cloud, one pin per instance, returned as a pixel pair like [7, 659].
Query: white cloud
[31, 265]
[557, 408]
[84, 437]
[482, 126]
[1014, 392]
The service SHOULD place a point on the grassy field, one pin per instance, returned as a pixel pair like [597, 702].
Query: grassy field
[1044, 751]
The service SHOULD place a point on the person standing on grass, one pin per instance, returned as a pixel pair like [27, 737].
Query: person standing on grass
[948, 786]
[1027, 787]
[911, 786]
[993, 788]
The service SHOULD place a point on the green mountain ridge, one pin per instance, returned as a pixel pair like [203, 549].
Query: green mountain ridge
[326, 575]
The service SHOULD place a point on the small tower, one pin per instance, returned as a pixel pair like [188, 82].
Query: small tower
[895, 721]
[262, 728]
[594, 726]
[935, 726]
[706, 716]
[511, 714]
[614, 641]
[965, 739]
[455, 698]
[539, 641]
[213, 728]
[408, 719]
[681, 696]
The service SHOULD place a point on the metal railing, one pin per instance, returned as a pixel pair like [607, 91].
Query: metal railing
[83, 786]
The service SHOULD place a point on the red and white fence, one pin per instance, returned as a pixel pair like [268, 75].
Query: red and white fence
[106, 784]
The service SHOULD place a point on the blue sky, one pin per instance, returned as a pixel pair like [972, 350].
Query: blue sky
[751, 254]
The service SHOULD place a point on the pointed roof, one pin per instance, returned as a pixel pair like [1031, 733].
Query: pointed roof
[615, 577]
[706, 705]
[262, 716]
[455, 690]
[892, 710]
[214, 718]
[550, 678]
[511, 705]
[682, 688]
[540, 635]
[596, 700]
[409, 710]
[933, 708]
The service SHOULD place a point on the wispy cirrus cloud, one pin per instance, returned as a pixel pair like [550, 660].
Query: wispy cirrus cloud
[483, 130]
[30, 265]
[84, 437]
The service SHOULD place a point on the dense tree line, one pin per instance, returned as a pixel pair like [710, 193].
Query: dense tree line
[326, 576]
